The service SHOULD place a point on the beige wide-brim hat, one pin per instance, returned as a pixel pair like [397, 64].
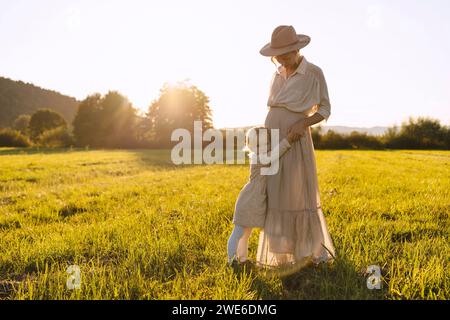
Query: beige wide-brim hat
[284, 40]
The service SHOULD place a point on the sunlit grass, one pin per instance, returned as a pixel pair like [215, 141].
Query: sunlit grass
[142, 228]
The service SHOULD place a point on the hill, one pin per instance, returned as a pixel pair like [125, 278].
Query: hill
[17, 97]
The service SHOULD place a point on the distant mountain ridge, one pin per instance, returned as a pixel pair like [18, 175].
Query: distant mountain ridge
[18, 97]
[375, 131]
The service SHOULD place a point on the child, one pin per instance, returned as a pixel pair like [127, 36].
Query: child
[251, 205]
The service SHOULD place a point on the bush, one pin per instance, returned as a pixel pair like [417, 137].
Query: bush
[420, 133]
[316, 135]
[13, 138]
[57, 137]
[359, 140]
[333, 140]
[354, 140]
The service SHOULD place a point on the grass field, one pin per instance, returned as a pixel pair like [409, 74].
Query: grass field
[141, 228]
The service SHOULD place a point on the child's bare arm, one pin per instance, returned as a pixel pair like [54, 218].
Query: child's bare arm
[278, 151]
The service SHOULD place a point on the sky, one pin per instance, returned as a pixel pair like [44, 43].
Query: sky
[383, 61]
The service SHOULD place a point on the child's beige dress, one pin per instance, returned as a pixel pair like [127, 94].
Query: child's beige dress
[251, 205]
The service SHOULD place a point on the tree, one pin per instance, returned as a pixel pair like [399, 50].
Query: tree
[178, 106]
[118, 119]
[22, 123]
[87, 121]
[45, 119]
[107, 121]
[425, 132]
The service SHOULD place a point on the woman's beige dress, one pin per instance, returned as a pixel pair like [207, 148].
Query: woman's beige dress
[295, 227]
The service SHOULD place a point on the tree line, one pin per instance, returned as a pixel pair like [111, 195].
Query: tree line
[110, 121]
[415, 133]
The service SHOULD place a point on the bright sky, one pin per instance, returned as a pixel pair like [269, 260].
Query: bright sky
[383, 60]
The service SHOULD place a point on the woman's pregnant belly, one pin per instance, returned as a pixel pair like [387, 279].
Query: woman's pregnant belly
[282, 119]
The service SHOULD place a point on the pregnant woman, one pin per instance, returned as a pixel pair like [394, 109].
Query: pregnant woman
[295, 230]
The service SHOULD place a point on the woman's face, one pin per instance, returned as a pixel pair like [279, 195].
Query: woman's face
[287, 59]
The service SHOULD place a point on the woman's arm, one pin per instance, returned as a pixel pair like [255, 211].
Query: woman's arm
[323, 112]
[315, 118]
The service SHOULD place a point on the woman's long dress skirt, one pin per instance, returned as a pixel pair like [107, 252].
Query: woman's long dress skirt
[295, 227]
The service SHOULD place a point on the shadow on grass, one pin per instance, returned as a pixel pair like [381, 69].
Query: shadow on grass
[151, 157]
[339, 280]
[30, 151]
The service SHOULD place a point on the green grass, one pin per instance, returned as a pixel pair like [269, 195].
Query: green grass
[142, 228]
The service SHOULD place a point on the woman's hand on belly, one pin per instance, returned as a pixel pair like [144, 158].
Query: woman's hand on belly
[291, 138]
[297, 130]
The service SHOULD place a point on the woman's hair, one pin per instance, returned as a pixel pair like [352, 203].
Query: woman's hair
[252, 137]
[274, 60]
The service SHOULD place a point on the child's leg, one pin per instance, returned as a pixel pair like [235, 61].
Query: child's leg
[233, 241]
[242, 249]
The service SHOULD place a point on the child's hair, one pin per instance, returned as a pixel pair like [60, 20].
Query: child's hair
[252, 137]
